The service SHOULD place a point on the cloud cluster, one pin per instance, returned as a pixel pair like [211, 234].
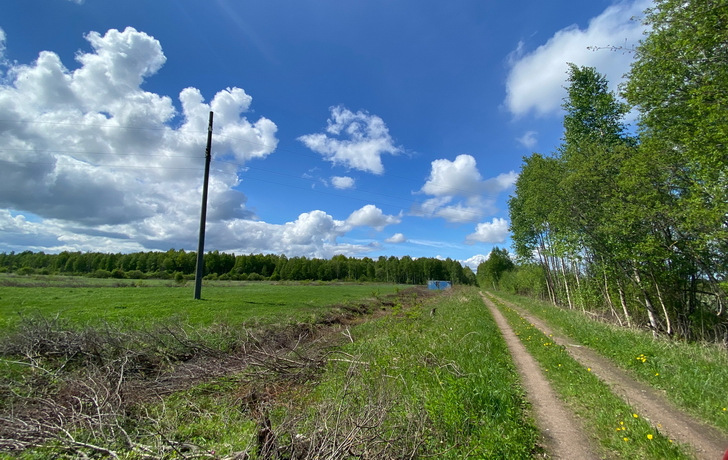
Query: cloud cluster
[459, 192]
[92, 161]
[354, 140]
[536, 79]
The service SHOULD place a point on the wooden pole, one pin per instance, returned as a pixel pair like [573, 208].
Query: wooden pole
[199, 271]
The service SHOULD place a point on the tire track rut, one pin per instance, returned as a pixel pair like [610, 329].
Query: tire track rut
[706, 441]
[562, 433]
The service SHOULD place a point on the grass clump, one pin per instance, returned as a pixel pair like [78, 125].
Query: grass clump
[693, 375]
[607, 417]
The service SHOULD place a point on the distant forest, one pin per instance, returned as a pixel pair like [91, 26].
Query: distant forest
[180, 264]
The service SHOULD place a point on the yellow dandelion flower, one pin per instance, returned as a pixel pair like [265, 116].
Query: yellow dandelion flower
[635, 416]
[625, 439]
[649, 436]
[588, 369]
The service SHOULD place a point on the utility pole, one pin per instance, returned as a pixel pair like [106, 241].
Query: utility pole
[199, 271]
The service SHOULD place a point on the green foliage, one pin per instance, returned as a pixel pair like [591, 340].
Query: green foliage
[638, 226]
[218, 265]
[491, 270]
[25, 271]
[525, 279]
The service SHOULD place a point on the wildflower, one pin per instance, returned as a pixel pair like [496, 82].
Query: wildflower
[649, 436]
[635, 416]
[625, 439]
[588, 369]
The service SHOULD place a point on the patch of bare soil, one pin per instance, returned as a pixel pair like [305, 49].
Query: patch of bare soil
[706, 441]
[563, 435]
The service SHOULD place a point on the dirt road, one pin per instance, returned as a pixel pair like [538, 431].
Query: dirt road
[563, 435]
[707, 442]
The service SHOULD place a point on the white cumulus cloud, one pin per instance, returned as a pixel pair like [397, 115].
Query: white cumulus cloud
[474, 261]
[536, 79]
[354, 140]
[460, 194]
[494, 231]
[397, 238]
[342, 182]
[371, 216]
[92, 161]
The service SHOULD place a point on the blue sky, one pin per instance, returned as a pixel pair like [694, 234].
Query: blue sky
[362, 128]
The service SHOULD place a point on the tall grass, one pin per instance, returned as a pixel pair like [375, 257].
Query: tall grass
[693, 375]
[440, 373]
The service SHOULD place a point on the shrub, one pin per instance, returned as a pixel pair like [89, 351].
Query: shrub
[25, 271]
[100, 274]
[135, 274]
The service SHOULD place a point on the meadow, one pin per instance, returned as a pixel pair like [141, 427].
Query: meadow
[91, 301]
[129, 369]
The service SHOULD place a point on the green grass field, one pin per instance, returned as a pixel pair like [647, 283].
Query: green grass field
[87, 301]
[429, 378]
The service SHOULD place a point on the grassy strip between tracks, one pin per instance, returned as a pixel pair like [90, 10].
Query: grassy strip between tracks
[618, 428]
[693, 375]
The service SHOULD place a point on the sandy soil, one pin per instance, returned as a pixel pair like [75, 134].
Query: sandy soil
[706, 441]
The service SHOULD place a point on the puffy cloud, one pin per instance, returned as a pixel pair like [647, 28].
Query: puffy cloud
[495, 231]
[342, 183]
[364, 138]
[536, 79]
[397, 238]
[99, 163]
[371, 216]
[460, 179]
[474, 261]
[95, 162]
[312, 234]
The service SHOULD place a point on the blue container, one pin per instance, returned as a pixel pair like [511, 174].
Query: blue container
[438, 285]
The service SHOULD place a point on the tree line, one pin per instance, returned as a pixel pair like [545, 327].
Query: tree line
[255, 267]
[636, 223]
